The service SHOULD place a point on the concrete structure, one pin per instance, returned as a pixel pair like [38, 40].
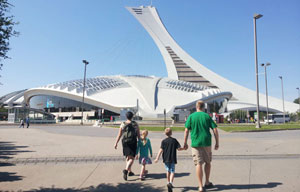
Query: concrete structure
[180, 65]
[148, 96]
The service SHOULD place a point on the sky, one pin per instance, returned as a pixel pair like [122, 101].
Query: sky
[56, 35]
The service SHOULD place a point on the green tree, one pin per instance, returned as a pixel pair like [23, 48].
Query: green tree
[6, 29]
[297, 100]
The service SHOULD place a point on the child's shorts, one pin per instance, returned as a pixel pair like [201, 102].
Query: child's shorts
[170, 167]
[145, 160]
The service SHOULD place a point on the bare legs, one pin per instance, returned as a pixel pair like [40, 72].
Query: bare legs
[129, 162]
[170, 177]
[207, 172]
[199, 173]
[143, 171]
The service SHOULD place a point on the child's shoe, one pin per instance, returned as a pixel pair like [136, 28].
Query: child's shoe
[130, 173]
[169, 185]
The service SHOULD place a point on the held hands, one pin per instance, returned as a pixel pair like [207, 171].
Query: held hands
[185, 146]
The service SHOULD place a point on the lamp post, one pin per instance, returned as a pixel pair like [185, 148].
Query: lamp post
[298, 97]
[82, 104]
[280, 77]
[255, 17]
[265, 66]
[165, 118]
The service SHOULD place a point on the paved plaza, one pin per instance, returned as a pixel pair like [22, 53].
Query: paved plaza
[83, 158]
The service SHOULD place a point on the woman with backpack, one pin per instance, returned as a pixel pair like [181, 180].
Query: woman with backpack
[130, 132]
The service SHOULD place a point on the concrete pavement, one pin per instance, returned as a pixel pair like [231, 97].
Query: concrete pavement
[76, 158]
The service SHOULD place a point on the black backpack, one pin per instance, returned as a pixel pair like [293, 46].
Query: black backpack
[129, 134]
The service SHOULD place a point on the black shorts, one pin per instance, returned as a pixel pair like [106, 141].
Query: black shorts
[129, 149]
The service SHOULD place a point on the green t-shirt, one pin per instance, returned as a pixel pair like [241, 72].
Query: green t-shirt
[199, 123]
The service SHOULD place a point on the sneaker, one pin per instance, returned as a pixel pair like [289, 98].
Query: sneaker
[169, 185]
[130, 173]
[125, 172]
[142, 178]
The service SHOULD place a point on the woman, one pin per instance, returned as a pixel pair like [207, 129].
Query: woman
[130, 132]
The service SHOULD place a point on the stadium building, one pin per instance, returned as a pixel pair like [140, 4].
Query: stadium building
[148, 96]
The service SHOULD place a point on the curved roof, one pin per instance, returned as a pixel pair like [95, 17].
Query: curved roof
[92, 85]
[151, 95]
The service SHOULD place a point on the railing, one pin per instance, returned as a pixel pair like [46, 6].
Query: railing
[42, 121]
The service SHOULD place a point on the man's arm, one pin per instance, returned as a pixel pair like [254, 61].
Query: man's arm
[216, 134]
[186, 135]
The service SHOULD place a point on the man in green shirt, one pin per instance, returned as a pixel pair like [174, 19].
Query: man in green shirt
[199, 124]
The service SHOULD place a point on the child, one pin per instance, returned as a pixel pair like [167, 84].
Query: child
[144, 147]
[168, 150]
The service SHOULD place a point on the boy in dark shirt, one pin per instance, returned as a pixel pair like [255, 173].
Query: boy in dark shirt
[168, 149]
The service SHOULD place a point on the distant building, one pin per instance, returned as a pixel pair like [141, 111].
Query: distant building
[148, 96]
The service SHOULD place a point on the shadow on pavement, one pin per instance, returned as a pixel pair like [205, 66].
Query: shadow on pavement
[152, 176]
[106, 188]
[7, 150]
[6, 176]
[236, 186]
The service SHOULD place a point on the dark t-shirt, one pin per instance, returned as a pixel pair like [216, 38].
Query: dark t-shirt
[169, 147]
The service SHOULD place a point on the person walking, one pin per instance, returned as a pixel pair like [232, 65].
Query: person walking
[168, 149]
[27, 122]
[130, 133]
[21, 123]
[144, 147]
[199, 124]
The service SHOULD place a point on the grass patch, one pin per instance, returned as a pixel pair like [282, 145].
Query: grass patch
[231, 127]
[161, 128]
[155, 128]
[239, 128]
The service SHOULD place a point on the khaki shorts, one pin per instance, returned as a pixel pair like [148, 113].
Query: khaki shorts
[201, 155]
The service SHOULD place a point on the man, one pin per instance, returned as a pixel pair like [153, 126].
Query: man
[27, 122]
[199, 124]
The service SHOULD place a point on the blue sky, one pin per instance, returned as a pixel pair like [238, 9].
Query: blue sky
[55, 36]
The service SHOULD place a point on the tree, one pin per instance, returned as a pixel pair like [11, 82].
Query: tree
[297, 100]
[6, 29]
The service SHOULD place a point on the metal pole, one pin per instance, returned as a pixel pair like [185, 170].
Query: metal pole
[165, 118]
[298, 97]
[256, 16]
[266, 82]
[282, 99]
[82, 104]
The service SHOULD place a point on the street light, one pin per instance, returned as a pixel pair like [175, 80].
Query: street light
[256, 16]
[82, 104]
[165, 118]
[298, 98]
[265, 66]
[280, 77]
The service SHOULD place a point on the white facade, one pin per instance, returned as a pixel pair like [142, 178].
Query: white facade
[182, 66]
[148, 95]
